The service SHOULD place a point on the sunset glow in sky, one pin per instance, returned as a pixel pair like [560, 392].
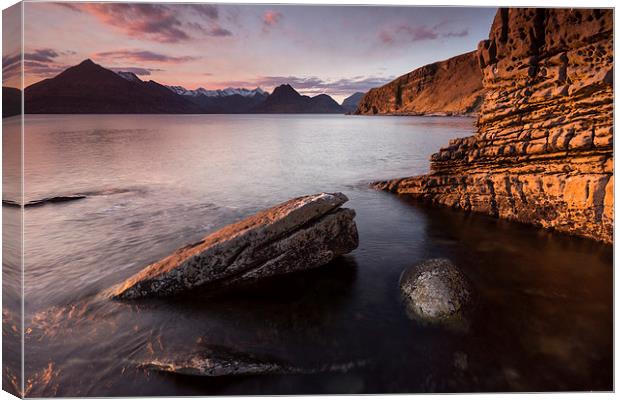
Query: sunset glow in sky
[336, 50]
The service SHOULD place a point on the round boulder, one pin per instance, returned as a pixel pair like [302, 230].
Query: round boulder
[435, 291]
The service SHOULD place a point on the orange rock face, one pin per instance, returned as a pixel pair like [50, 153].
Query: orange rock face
[450, 87]
[543, 152]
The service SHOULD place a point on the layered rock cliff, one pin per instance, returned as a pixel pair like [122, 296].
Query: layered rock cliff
[450, 87]
[543, 152]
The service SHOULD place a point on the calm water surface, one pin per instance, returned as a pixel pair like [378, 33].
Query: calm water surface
[543, 319]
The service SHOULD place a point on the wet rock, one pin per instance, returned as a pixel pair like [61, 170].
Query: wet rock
[217, 361]
[543, 150]
[302, 233]
[435, 291]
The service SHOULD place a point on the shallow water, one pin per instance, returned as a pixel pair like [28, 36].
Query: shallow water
[543, 316]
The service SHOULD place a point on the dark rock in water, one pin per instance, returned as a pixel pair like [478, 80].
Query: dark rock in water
[300, 234]
[10, 203]
[47, 200]
[435, 291]
[55, 199]
[217, 361]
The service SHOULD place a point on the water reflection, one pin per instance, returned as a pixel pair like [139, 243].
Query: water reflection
[544, 320]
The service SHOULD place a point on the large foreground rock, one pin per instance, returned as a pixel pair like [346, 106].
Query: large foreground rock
[300, 234]
[435, 291]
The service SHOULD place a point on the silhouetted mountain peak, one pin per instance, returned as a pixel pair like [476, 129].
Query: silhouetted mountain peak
[285, 99]
[285, 89]
[91, 88]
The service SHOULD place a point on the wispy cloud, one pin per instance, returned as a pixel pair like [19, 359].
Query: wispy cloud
[405, 33]
[41, 69]
[215, 30]
[136, 70]
[155, 22]
[205, 10]
[44, 62]
[463, 33]
[11, 66]
[142, 56]
[219, 31]
[42, 55]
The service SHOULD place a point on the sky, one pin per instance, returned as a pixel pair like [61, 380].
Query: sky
[336, 50]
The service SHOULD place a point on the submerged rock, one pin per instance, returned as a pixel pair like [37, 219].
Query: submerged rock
[302, 233]
[217, 361]
[435, 291]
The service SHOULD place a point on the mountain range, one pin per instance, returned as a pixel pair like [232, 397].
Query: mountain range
[89, 88]
[286, 100]
[226, 101]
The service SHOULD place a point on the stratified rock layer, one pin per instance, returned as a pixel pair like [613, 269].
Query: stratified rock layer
[300, 234]
[543, 153]
[450, 87]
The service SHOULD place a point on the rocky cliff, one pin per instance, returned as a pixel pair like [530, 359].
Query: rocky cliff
[450, 87]
[543, 152]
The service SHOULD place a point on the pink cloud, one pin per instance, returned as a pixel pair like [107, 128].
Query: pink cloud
[271, 19]
[416, 33]
[386, 37]
[405, 33]
[150, 21]
[156, 22]
[142, 56]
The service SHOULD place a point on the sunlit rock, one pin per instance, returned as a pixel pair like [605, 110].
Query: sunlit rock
[543, 151]
[302, 233]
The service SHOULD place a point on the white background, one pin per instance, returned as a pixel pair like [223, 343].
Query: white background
[496, 3]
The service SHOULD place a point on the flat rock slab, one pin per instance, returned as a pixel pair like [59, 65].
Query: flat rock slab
[215, 362]
[302, 233]
[218, 361]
